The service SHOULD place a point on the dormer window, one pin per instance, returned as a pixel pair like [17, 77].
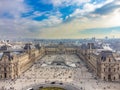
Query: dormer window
[101, 58]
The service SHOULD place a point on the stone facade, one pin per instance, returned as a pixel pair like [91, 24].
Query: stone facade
[108, 66]
[105, 64]
[13, 64]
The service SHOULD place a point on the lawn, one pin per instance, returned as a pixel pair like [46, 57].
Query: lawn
[51, 88]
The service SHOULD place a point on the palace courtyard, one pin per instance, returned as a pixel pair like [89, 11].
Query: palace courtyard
[59, 70]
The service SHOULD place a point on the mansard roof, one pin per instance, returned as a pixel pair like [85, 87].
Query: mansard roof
[37, 46]
[83, 46]
[105, 54]
[28, 46]
[10, 54]
[1, 54]
[4, 47]
[61, 43]
[52, 46]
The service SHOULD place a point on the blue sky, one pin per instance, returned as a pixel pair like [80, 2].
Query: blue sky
[58, 19]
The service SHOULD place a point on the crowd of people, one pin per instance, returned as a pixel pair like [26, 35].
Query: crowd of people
[50, 73]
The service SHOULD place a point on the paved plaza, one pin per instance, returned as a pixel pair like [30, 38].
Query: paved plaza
[66, 71]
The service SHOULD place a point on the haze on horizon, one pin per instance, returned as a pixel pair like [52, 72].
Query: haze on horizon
[58, 19]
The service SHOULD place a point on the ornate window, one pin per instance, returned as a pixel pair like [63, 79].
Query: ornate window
[5, 75]
[109, 69]
[104, 78]
[114, 78]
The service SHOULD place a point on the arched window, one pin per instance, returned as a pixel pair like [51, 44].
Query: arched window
[5, 75]
[104, 78]
[109, 77]
[114, 78]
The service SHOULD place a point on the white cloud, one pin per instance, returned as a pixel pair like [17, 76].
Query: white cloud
[54, 18]
[117, 2]
[51, 21]
[113, 18]
[59, 3]
[79, 2]
[72, 29]
[88, 8]
[52, 27]
[26, 27]
[23, 27]
[37, 13]
[14, 7]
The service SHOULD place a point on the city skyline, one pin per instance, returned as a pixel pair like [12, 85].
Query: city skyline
[59, 19]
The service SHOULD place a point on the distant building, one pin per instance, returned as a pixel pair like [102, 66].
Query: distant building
[4, 48]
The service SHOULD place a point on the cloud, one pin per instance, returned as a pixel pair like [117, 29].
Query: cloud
[90, 8]
[56, 23]
[60, 3]
[51, 21]
[107, 8]
[73, 29]
[12, 8]
[13, 24]
[26, 27]
[37, 13]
